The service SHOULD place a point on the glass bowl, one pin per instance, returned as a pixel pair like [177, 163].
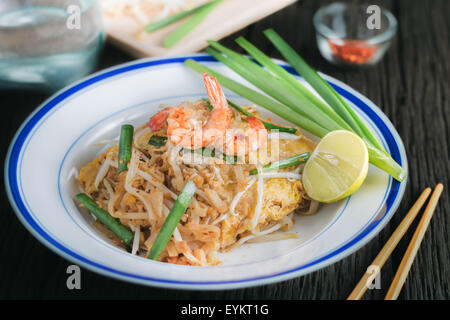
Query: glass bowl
[354, 34]
[47, 44]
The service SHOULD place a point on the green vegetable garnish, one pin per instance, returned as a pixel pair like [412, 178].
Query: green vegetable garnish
[109, 221]
[173, 218]
[125, 145]
[172, 19]
[289, 162]
[197, 18]
[157, 141]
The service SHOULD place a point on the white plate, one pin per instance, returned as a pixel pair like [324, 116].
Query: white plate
[60, 136]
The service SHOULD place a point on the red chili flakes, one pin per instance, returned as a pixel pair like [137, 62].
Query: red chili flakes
[353, 51]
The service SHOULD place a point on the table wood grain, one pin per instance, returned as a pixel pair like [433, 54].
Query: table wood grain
[411, 85]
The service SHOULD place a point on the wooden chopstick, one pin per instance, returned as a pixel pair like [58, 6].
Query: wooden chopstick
[390, 245]
[413, 247]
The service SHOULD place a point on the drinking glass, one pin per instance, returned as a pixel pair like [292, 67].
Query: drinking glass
[47, 44]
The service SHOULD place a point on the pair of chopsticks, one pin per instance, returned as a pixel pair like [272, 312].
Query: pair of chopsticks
[411, 251]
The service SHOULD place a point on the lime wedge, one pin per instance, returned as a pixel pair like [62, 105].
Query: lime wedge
[337, 167]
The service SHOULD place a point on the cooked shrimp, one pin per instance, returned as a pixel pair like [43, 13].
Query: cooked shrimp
[221, 114]
[186, 126]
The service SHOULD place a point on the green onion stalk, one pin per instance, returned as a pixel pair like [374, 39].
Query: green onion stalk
[125, 146]
[285, 163]
[154, 26]
[197, 18]
[173, 218]
[109, 221]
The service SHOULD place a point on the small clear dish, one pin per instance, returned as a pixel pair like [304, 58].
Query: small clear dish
[354, 34]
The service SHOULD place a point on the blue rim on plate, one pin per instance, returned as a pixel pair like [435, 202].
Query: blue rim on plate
[395, 193]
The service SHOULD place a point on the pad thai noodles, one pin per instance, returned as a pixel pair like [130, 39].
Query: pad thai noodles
[240, 195]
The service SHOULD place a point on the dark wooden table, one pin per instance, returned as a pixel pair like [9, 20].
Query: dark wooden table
[411, 85]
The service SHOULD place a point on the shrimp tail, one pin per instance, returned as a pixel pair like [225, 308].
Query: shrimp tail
[157, 121]
[215, 92]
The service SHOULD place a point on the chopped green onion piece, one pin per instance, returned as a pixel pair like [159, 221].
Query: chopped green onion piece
[172, 19]
[109, 221]
[261, 100]
[157, 141]
[289, 162]
[197, 18]
[125, 145]
[173, 218]
[323, 88]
